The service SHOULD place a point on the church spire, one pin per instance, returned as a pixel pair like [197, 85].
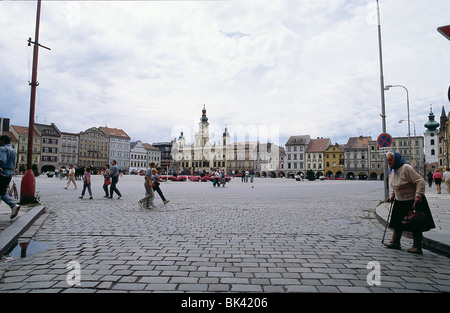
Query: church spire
[204, 119]
[431, 125]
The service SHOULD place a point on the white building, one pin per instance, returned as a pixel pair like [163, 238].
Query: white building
[295, 159]
[269, 160]
[153, 155]
[138, 157]
[201, 155]
[119, 147]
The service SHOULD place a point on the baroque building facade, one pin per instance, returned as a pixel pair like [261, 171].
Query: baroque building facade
[200, 156]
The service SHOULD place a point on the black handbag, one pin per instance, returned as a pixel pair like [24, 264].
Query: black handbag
[414, 220]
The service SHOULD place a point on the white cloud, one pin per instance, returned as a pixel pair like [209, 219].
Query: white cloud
[310, 67]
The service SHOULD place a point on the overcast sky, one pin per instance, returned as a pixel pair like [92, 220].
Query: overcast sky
[268, 68]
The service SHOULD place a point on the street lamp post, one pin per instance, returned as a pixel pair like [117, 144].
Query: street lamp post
[383, 106]
[28, 184]
[409, 120]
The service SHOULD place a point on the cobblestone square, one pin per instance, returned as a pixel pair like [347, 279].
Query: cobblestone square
[275, 235]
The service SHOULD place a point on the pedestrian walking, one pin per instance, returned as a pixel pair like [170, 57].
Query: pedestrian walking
[71, 177]
[408, 190]
[252, 175]
[86, 183]
[107, 180]
[446, 178]
[147, 201]
[223, 177]
[7, 165]
[114, 175]
[155, 174]
[246, 176]
[430, 179]
[216, 178]
[437, 178]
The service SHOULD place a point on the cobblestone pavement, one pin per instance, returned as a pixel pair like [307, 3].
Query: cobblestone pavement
[275, 235]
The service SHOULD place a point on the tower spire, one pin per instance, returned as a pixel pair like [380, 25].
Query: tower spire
[431, 125]
[204, 119]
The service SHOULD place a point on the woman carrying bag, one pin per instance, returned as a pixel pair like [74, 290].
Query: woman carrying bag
[408, 190]
[107, 180]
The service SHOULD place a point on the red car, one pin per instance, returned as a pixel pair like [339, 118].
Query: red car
[194, 178]
[207, 177]
[179, 178]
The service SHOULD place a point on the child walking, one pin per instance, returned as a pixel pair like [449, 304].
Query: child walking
[156, 184]
[86, 183]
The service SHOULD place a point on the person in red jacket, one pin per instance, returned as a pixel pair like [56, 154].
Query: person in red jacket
[437, 178]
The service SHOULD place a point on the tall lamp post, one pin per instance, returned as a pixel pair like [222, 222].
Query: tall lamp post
[383, 107]
[28, 184]
[409, 120]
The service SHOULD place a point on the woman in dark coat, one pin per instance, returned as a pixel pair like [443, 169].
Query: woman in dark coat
[408, 191]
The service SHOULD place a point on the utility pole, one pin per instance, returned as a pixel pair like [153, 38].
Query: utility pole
[28, 184]
[383, 107]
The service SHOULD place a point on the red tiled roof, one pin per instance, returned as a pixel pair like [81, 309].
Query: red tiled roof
[318, 145]
[149, 147]
[22, 130]
[115, 132]
[358, 142]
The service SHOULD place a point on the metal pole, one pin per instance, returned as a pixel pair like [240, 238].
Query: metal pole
[28, 183]
[409, 120]
[383, 110]
[33, 85]
[409, 124]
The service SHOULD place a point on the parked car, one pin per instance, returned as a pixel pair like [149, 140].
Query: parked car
[207, 177]
[194, 178]
[179, 178]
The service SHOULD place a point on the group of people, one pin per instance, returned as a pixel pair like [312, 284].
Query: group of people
[246, 175]
[111, 178]
[151, 184]
[438, 178]
[219, 178]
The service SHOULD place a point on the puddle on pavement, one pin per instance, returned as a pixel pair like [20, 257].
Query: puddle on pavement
[24, 248]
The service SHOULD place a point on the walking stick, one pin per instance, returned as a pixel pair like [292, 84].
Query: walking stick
[387, 221]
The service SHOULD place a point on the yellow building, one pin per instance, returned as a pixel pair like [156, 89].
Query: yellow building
[21, 134]
[334, 161]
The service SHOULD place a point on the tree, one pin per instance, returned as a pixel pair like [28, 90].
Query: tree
[310, 175]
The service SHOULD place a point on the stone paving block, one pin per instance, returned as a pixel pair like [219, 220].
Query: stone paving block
[129, 286]
[245, 288]
[160, 287]
[353, 289]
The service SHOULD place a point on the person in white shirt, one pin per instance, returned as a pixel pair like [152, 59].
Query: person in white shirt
[446, 178]
[71, 177]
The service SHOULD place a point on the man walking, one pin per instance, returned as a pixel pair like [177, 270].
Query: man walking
[114, 174]
[71, 177]
[7, 164]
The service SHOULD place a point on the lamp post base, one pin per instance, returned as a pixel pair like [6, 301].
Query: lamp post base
[28, 188]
